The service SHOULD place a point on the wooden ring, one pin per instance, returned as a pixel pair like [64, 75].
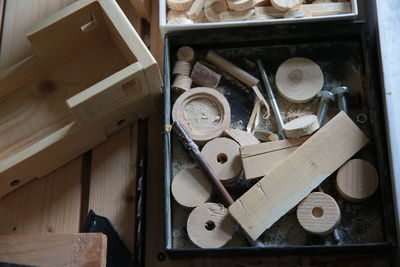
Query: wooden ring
[318, 213]
[357, 180]
[299, 79]
[210, 225]
[203, 112]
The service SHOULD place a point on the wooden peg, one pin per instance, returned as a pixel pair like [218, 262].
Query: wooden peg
[179, 4]
[223, 156]
[210, 226]
[190, 187]
[196, 9]
[241, 5]
[299, 12]
[212, 9]
[357, 180]
[185, 53]
[318, 213]
[302, 126]
[236, 15]
[299, 79]
[286, 5]
[203, 112]
[203, 76]
[181, 84]
[182, 68]
[241, 137]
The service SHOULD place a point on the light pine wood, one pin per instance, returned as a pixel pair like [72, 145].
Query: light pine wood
[357, 180]
[180, 5]
[190, 187]
[203, 76]
[252, 124]
[318, 213]
[299, 79]
[196, 9]
[286, 5]
[236, 15]
[258, 160]
[185, 53]
[182, 68]
[241, 5]
[181, 84]
[213, 8]
[243, 138]
[223, 156]
[295, 177]
[203, 112]
[210, 226]
[69, 250]
[304, 125]
[113, 182]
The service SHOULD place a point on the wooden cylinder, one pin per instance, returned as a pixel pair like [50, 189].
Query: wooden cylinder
[190, 187]
[203, 76]
[182, 68]
[185, 53]
[210, 226]
[223, 156]
[181, 84]
[318, 213]
[357, 180]
[302, 126]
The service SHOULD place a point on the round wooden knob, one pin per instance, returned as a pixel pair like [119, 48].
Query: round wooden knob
[299, 79]
[318, 213]
[190, 187]
[357, 180]
[210, 226]
[301, 126]
[223, 156]
[203, 112]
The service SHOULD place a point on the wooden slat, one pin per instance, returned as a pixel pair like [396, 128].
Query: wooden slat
[113, 182]
[89, 249]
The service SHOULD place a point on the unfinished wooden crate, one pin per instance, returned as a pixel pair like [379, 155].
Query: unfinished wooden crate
[90, 75]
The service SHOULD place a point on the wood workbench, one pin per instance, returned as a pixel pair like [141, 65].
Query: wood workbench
[104, 178]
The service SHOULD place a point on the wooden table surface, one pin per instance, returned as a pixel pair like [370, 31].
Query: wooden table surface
[102, 179]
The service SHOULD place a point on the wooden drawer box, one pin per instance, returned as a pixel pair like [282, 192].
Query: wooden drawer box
[90, 75]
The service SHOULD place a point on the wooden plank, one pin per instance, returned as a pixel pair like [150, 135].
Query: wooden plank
[290, 182]
[88, 249]
[48, 205]
[113, 182]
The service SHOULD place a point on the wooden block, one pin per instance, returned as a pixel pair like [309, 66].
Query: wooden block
[242, 137]
[185, 53]
[203, 112]
[223, 156]
[190, 187]
[299, 79]
[212, 9]
[182, 68]
[302, 126]
[357, 180]
[286, 5]
[210, 226]
[203, 76]
[295, 177]
[318, 213]
[259, 160]
[180, 5]
[70, 250]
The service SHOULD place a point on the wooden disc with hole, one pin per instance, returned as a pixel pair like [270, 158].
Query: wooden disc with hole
[223, 156]
[318, 213]
[357, 180]
[190, 187]
[203, 112]
[285, 5]
[302, 126]
[210, 225]
[299, 79]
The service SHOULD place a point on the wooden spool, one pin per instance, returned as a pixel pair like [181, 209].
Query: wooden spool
[299, 79]
[212, 9]
[210, 226]
[181, 84]
[182, 68]
[223, 156]
[286, 5]
[302, 126]
[318, 213]
[203, 112]
[185, 53]
[357, 180]
[203, 76]
[190, 187]
[179, 4]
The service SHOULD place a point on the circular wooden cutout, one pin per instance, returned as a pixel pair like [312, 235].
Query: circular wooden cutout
[210, 225]
[223, 156]
[299, 79]
[203, 112]
[318, 213]
[190, 187]
[302, 126]
[357, 180]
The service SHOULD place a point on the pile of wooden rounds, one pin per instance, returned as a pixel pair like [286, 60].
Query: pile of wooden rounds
[182, 69]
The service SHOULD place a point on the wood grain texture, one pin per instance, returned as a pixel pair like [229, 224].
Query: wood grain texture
[113, 182]
[69, 250]
[295, 177]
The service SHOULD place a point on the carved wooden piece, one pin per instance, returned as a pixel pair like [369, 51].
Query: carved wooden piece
[203, 76]
[182, 68]
[318, 213]
[357, 180]
[241, 5]
[212, 9]
[179, 5]
[174, 14]
[181, 84]
[185, 53]
[190, 187]
[286, 5]
[299, 12]
[236, 15]
[302, 126]
[223, 156]
[210, 226]
[196, 9]
[302, 171]
[241, 137]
